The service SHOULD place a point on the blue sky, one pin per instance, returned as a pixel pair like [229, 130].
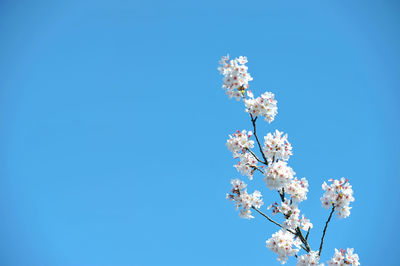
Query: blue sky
[113, 127]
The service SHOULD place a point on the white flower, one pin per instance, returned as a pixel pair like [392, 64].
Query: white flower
[235, 74]
[343, 258]
[284, 245]
[305, 223]
[278, 174]
[297, 189]
[339, 194]
[265, 105]
[309, 259]
[292, 218]
[247, 164]
[241, 199]
[277, 147]
[239, 141]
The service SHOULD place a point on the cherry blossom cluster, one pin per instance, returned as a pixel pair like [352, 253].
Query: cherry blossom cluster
[265, 105]
[272, 164]
[284, 244]
[241, 199]
[339, 195]
[309, 259]
[344, 258]
[278, 175]
[247, 164]
[236, 78]
[297, 189]
[277, 147]
[238, 142]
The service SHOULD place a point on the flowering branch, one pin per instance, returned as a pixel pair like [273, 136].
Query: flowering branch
[323, 234]
[253, 121]
[275, 152]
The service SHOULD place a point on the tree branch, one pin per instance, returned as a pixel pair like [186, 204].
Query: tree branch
[272, 221]
[253, 121]
[255, 167]
[323, 234]
[255, 156]
[308, 232]
[300, 235]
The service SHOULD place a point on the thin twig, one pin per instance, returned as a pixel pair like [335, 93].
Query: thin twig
[300, 235]
[256, 167]
[323, 234]
[272, 221]
[282, 195]
[253, 121]
[308, 232]
[255, 156]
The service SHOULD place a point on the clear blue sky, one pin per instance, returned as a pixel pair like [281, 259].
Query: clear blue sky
[113, 126]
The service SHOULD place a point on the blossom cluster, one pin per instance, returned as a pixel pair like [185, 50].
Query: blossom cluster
[239, 142]
[247, 164]
[278, 175]
[241, 199]
[265, 105]
[309, 259]
[344, 258]
[339, 195]
[277, 147]
[235, 74]
[284, 244]
[297, 189]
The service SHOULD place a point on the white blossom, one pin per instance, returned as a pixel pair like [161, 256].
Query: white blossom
[246, 165]
[339, 194]
[305, 223]
[284, 244]
[241, 199]
[236, 78]
[277, 147]
[292, 218]
[309, 259]
[239, 141]
[278, 175]
[344, 258]
[297, 189]
[265, 105]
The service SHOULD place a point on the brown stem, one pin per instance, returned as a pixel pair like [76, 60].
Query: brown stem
[255, 156]
[272, 221]
[308, 232]
[253, 121]
[255, 167]
[323, 234]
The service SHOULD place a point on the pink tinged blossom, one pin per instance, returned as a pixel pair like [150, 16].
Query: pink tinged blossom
[278, 175]
[284, 244]
[238, 142]
[246, 165]
[344, 257]
[338, 194]
[309, 259]
[242, 200]
[235, 76]
[265, 105]
[277, 147]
